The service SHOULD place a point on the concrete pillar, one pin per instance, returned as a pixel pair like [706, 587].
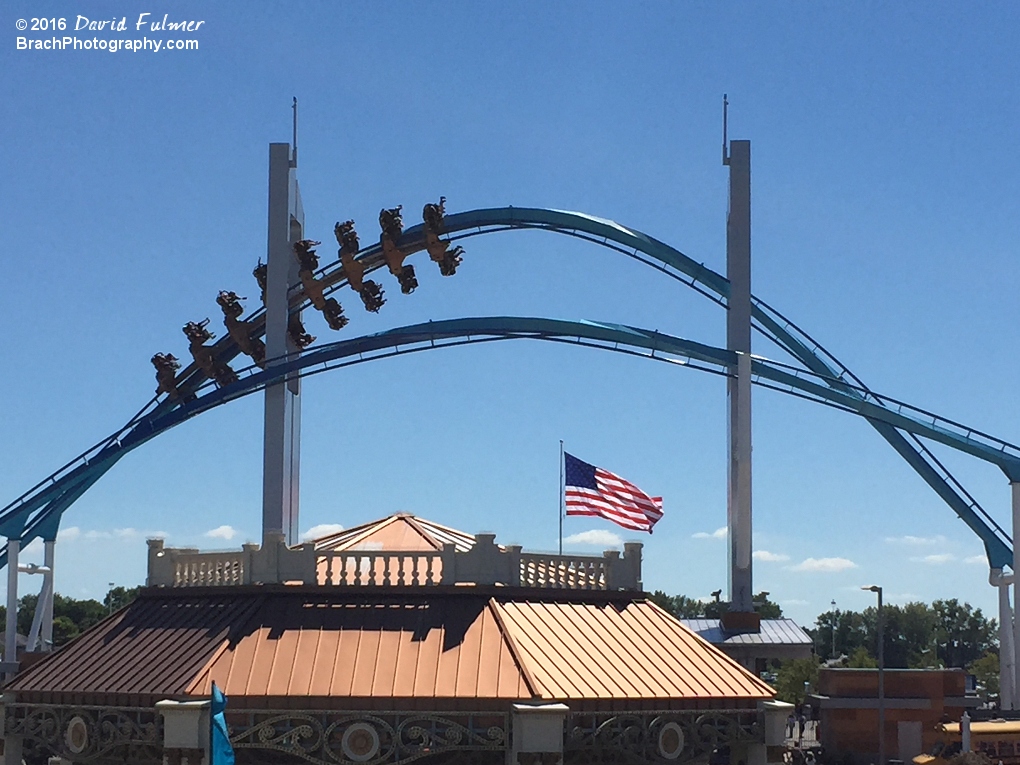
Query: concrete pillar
[537, 733]
[12, 745]
[738, 387]
[11, 628]
[282, 431]
[186, 731]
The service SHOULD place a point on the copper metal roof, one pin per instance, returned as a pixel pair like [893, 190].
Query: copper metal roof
[629, 650]
[421, 648]
[452, 643]
[403, 532]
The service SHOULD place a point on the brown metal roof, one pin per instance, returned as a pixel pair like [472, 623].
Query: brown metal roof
[151, 650]
[388, 644]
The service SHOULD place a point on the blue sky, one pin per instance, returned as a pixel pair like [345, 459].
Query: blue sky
[885, 209]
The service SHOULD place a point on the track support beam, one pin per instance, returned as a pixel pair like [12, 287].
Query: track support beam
[281, 461]
[738, 387]
[1007, 697]
[11, 627]
[1015, 491]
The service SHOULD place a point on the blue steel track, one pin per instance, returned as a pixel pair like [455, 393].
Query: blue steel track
[820, 376]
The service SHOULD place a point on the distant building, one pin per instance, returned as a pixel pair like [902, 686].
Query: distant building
[916, 701]
[779, 639]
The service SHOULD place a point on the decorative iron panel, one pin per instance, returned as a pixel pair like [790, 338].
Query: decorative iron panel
[655, 737]
[368, 738]
[87, 734]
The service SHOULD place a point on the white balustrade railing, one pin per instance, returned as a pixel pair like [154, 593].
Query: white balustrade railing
[209, 569]
[485, 563]
[574, 572]
[379, 568]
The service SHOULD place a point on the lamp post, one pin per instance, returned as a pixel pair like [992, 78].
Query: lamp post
[834, 622]
[881, 676]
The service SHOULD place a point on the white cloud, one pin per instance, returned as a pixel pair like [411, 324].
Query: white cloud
[824, 565]
[916, 541]
[126, 534]
[937, 559]
[719, 533]
[976, 560]
[69, 534]
[769, 557]
[793, 602]
[595, 537]
[222, 532]
[322, 530]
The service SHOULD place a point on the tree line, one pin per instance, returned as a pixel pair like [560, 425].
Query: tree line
[71, 617]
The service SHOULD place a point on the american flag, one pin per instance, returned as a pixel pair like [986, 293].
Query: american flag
[593, 491]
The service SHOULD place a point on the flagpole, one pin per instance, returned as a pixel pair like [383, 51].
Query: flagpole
[561, 496]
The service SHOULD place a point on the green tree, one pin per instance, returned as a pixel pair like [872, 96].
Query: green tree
[791, 679]
[679, 606]
[683, 607]
[64, 630]
[766, 608]
[962, 634]
[71, 617]
[118, 597]
[916, 635]
[861, 659]
[850, 628]
[986, 670]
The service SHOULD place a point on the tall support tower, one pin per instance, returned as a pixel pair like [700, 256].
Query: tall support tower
[281, 464]
[1014, 487]
[737, 155]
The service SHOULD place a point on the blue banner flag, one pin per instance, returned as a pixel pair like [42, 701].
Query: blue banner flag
[220, 750]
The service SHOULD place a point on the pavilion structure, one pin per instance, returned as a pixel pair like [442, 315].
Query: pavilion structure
[396, 641]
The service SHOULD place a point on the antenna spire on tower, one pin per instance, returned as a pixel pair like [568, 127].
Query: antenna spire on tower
[725, 110]
[293, 160]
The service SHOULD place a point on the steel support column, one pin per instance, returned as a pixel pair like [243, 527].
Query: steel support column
[49, 551]
[282, 433]
[1015, 490]
[11, 627]
[738, 388]
[1007, 697]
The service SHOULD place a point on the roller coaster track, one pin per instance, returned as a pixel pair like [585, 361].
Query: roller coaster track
[823, 378]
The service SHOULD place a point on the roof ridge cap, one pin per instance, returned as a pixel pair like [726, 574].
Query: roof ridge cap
[515, 650]
[372, 527]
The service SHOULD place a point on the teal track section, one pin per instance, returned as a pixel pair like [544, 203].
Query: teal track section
[817, 374]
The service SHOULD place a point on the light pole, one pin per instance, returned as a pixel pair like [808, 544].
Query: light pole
[881, 676]
[834, 622]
